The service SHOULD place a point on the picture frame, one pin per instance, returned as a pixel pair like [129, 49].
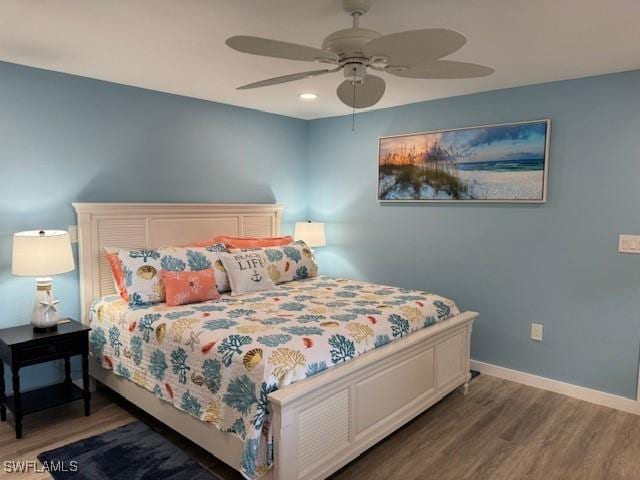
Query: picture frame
[495, 163]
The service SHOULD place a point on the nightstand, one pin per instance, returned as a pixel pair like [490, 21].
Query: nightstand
[21, 347]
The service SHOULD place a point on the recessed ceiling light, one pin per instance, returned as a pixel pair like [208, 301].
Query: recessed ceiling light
[307, 97]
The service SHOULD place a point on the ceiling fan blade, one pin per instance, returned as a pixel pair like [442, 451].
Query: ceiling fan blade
[284, 78]
[443, 69]
[365, 94]
[415, 47]
[278, 49]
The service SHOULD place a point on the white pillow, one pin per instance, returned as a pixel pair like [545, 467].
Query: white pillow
[290, 262]
[247, 272]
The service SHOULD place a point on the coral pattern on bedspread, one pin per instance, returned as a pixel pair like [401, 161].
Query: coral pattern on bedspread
[218, 361]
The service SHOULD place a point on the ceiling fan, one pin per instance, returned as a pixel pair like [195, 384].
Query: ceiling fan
[410, 54]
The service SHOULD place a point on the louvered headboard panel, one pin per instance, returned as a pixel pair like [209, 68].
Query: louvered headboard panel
[138, 225]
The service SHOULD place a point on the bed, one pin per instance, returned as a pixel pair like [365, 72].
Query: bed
[392, 353]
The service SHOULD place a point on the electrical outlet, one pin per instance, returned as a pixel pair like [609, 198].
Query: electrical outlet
[536, 332]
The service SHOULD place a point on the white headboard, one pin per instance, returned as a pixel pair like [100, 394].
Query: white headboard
[138, 225]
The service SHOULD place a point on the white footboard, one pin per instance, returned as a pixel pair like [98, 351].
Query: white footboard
[322, 423]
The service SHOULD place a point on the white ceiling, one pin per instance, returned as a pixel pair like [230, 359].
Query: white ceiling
[178, 46]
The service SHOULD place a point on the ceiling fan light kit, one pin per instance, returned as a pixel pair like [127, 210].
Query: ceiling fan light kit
[410, 54]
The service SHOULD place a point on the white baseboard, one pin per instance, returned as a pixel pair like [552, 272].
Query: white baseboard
[582, 393]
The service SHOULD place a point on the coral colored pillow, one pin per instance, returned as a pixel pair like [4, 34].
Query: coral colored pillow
[254, 242]
[118, 276]
[182, 288]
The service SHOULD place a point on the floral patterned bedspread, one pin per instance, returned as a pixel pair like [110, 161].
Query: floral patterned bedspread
[218, 361]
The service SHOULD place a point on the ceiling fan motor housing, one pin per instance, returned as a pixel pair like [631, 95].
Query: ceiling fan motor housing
[350, 42]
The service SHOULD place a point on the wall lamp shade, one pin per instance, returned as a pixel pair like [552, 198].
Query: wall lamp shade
[311, 233]
[41, 253]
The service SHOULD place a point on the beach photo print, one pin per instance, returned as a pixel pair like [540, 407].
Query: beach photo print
[491, 163]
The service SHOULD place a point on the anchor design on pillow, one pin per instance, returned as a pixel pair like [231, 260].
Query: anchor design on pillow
[256, 277]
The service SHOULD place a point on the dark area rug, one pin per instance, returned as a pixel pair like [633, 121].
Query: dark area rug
[132, 452]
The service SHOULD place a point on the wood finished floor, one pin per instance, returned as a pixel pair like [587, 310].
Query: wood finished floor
[500, 430]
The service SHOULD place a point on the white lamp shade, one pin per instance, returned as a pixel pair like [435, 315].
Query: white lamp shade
[41, 253]
[311, 233]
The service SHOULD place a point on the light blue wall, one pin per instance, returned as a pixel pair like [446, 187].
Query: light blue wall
[65, 138]
[554, 264]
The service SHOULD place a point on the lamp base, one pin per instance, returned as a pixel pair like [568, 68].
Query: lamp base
[45, 314]
[51, 329]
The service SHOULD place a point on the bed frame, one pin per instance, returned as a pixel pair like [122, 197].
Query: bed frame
[321, 423]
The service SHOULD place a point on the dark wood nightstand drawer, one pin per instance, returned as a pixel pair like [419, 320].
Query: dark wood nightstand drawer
[37, 353]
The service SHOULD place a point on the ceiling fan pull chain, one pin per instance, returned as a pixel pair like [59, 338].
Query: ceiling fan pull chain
[353, 112]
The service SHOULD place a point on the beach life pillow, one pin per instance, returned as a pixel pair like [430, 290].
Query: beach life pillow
[290, 262]
[182, 288]
[254, 242]
[247, 272]
[141, 269]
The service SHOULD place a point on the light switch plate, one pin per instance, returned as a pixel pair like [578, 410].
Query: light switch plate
[536, 332]
[73, 233]
[629, 244]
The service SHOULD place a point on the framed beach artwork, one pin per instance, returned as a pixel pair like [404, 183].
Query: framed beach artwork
[490, 163]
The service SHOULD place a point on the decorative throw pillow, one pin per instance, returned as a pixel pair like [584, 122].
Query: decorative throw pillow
[254, 242]
[189, 287]
[247, 272]
[141, 268]
[290, 262]
[210, 242]
[116, 273]
[222, 280]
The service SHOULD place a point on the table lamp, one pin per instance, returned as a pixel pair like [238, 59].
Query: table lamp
[41, 253]
[311, 233]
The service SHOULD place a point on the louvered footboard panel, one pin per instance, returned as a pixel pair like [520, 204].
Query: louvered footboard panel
[322, 423]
